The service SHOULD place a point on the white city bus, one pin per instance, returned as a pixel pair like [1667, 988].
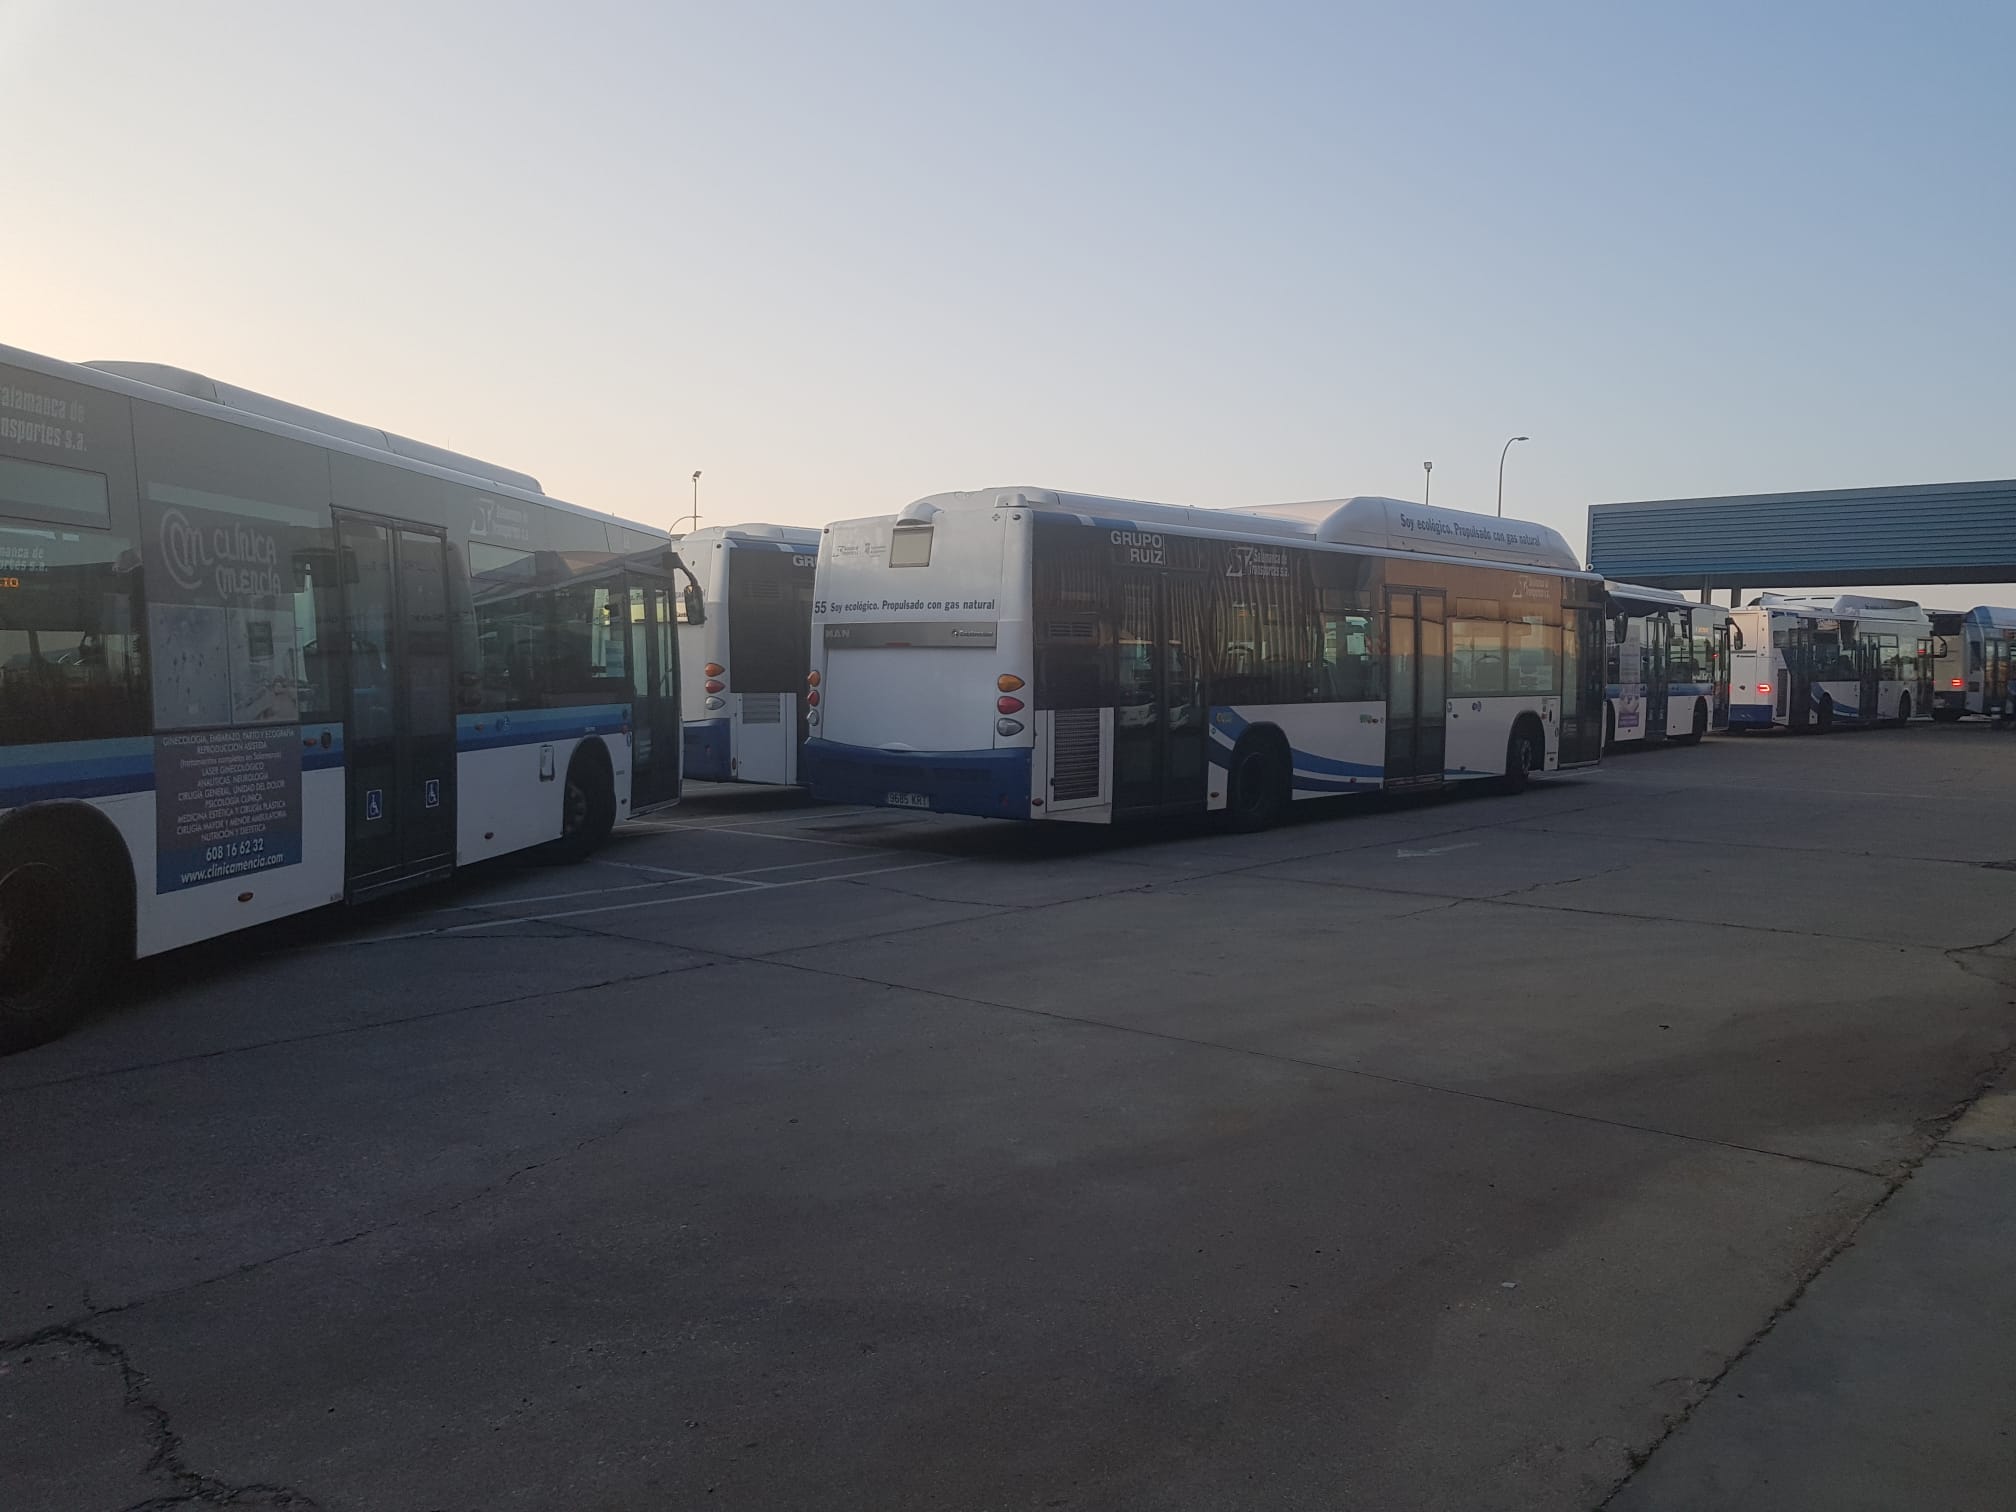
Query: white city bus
[254, 660]
[1667, 664]
[744, 701]
[1972, 652]
[1810, 663]
[1040, 655]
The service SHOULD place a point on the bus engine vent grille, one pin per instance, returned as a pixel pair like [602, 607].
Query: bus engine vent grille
[1069, 630]
[762, 708]
[1074, 754]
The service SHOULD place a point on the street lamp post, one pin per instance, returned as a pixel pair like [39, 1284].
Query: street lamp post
[1427, 478]
[1501, 472]
[695, 515]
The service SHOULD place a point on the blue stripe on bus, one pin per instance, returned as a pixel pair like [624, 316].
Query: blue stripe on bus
[1742, 716]
[484, 732]
[75, 769]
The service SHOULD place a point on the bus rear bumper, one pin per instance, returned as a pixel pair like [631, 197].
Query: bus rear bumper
[991, 784]
[1750, 716]
[706, 750]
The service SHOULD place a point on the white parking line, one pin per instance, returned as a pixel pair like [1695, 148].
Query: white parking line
[746, 887]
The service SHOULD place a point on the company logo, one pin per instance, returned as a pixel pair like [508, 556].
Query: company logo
[182, 549]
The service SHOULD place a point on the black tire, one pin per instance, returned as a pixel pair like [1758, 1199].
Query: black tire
[1256, 785]
[1525, 754]
[1693, 736]
[59, 934]
[587, 806]
[1904, 711]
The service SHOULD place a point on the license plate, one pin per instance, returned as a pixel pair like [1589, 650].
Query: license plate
[909, 800]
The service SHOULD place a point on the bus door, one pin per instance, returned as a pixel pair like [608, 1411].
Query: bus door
[1871, 651]
[1718, 652]
[1798, 650]
[1584, 694]
[654, 679]
[1160, 753]
[1654, 669]
[1417, 707]
[399, 724]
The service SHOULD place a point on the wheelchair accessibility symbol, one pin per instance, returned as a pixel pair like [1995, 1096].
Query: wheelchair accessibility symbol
[433, 792]
[374, 803]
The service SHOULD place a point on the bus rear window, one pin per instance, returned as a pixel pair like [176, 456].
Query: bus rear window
[910, 547]
[54, 495]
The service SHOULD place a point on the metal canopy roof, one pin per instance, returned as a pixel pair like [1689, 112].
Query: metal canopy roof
[1926, 533]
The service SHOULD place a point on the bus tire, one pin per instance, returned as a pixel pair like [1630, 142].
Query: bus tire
[587, 804]
[1693, 736]
[1256, 782]
[65, 923]
[1525, 754]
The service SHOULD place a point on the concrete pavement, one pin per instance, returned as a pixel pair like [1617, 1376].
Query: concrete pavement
[1435, 1155]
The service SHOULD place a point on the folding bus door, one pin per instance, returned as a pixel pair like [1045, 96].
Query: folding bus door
[399, 729]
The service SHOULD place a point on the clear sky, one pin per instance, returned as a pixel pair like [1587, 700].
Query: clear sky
[841, 255]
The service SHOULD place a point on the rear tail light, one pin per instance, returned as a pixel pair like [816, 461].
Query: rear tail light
[714, 669]
[1957, 683]
[1763, 687]
[1007, 727]
[811, 679]
[1007, 682]
[812, 698]
[1008, 705]
[715, 685]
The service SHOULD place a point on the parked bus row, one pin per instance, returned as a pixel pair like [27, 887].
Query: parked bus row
[255, 660]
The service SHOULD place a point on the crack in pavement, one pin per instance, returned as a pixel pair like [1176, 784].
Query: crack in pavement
[369, 1231]
[1894, 1183]
[166, 1456]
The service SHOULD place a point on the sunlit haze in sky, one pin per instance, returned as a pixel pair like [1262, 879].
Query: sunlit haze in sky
[841, 255]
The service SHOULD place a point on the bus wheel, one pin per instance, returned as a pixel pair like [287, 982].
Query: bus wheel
[58, 936]
[1524, 755]
[588, 806]
[1904, 711]
[1693, 736]
[1256, 784]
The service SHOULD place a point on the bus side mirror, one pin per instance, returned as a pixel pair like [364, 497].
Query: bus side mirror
[696, 605]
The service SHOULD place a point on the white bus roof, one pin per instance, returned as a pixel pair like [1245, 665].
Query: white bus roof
[1847, 606]
[1368, 521]
[1651, 595]
[283, 419]
[787, 537]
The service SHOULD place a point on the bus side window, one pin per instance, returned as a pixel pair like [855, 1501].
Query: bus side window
[70, 655]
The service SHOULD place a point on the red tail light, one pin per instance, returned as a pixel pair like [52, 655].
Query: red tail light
[1958, 684]
[812, 699]
[1763, 687]
[1008, 705]
[715, 685]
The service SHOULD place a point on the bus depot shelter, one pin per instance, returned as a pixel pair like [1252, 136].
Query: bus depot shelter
[1922, 533]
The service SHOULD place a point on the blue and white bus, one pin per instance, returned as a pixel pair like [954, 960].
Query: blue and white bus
[1667, 661]
[1814, 663]
[1039, 655]
[744, 703]
[255, 660]
[1972, 652]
